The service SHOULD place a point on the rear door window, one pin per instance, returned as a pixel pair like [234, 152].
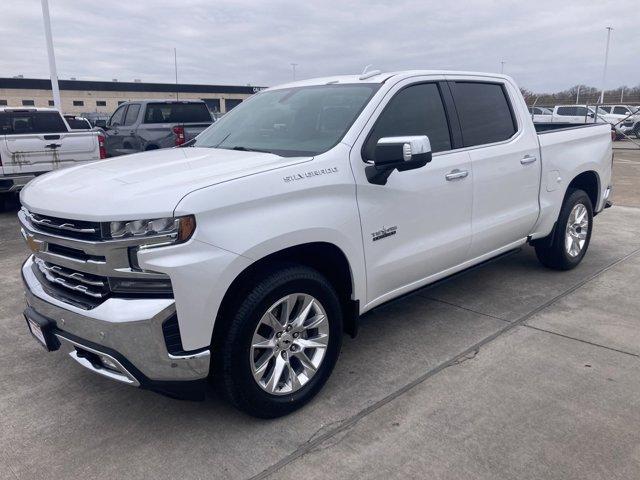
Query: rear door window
[415, 110]
[484, 112]
[177, 113]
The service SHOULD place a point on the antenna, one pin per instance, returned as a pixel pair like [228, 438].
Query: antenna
[364, 75]
[175, 66]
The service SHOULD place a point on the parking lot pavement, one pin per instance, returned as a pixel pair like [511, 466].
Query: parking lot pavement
[507, 371]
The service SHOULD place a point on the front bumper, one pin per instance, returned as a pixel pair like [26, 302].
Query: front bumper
[128, 331]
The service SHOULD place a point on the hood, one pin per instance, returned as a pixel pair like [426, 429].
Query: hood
[143, 185]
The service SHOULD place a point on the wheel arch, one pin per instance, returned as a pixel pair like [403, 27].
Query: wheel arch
[589, 182]
[325, 257]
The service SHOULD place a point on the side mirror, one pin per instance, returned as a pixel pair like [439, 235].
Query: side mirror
[398, 153]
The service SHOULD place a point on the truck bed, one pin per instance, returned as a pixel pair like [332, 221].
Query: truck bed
[545, 127]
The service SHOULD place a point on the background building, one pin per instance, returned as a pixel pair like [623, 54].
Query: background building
[84, 96]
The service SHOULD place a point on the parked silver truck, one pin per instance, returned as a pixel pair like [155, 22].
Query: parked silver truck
[151, 124]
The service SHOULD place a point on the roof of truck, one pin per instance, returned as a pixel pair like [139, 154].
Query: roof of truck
[381, 77]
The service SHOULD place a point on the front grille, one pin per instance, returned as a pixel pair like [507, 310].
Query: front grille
[68, 228]
[80, 283]
[72, 297]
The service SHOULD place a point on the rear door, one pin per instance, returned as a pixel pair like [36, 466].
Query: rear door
[38, 141]
[503, 148]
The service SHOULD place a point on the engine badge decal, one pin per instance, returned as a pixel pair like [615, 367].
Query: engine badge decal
[384, 232]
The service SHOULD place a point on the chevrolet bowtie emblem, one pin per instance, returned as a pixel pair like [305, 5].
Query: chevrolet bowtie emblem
[34, 244]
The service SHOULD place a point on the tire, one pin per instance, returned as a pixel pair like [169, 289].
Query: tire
[561, 253]
[263, 396]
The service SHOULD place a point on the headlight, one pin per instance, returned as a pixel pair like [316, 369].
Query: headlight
[180, 227]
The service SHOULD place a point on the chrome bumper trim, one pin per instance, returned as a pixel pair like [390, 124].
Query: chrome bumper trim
[123, 375]
[130, 327]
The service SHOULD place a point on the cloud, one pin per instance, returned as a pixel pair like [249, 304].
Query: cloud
[547, 45]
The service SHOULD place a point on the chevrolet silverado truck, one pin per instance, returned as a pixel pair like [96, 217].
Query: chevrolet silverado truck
[34, 141]
[243, 258]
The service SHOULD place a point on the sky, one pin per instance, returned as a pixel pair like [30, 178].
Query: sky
[546, 45]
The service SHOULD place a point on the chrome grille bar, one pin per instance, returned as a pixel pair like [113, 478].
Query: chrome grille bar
[57, 270]
[51, 273]
[68, 226]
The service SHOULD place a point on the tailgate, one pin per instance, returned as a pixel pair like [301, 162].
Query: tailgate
[191, 130]
[25, 153]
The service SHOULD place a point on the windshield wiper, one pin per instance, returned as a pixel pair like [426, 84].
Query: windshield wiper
[248, 149]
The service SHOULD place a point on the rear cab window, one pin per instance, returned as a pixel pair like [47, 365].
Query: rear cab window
[177, 112]
[17, 123]
[484, 112]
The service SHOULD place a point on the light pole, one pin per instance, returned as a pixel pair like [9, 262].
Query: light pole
[502, 66]
[606, 60]
[52, 59]
[293, 66]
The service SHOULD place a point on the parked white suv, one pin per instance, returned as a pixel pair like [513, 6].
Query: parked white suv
[245, 257]
[34, 141]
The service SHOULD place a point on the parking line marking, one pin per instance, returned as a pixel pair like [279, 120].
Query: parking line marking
[551, 332]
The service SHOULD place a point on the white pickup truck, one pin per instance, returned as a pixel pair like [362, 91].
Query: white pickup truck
[244, 257]
[34, 141]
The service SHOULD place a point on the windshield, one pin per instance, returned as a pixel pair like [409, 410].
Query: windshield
[291, 121]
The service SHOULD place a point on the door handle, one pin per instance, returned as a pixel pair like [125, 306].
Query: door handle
[527, 159]
[455, 174]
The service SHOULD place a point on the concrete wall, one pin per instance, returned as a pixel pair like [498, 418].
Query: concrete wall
[14, 98]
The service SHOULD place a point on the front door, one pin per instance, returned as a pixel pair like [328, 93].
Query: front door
[113, 133]
[419, 224]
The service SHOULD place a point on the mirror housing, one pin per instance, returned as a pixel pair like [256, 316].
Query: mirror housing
[398, 153]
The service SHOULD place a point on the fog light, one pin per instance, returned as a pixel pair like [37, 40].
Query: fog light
[110, 364]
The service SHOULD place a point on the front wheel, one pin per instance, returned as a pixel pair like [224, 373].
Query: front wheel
[572, 233]
[282, 343]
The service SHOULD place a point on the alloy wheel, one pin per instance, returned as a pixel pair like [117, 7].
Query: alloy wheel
[289, 344]
[577, 230]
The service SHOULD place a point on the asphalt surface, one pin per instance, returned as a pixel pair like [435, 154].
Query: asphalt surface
[506, 371]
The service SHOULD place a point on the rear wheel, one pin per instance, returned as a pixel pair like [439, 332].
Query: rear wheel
[572, 233]
[282, 343]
